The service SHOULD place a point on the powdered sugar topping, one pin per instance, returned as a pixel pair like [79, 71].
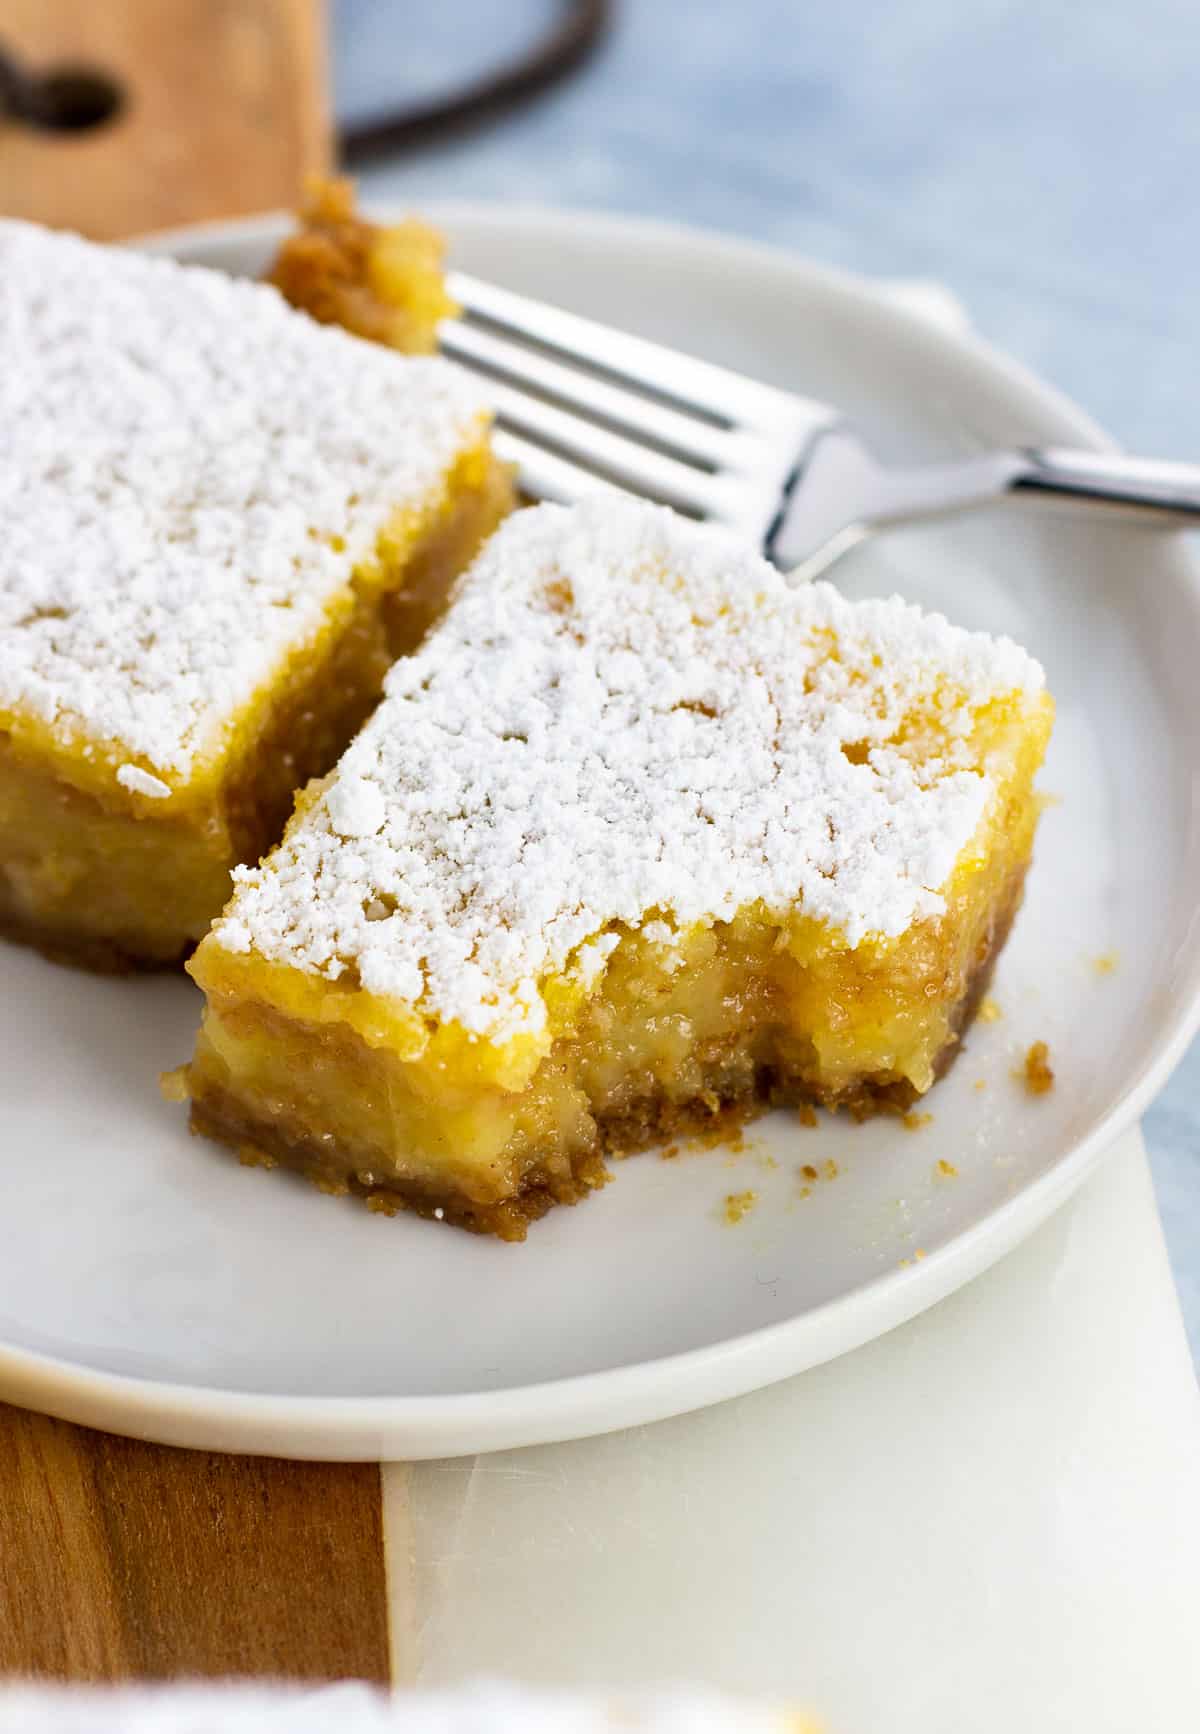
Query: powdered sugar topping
[140, 782]
[190, 472]
[629, 720]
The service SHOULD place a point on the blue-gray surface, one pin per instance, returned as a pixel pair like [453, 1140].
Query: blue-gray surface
[1039, 157]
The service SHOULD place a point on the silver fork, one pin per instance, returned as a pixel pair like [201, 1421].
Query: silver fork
[580, 406]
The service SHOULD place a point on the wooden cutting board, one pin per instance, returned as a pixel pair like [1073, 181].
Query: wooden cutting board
[123, 1561]
[226, 109]
[120, 1560]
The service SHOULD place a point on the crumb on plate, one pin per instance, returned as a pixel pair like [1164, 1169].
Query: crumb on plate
[1037, 1072]
[173, 1084]
[739, 1204]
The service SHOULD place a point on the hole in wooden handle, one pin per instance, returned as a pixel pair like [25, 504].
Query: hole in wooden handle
[65, 99]
[75, 99]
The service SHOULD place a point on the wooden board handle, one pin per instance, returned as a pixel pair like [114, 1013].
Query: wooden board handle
[226, 111]
[131, 1561]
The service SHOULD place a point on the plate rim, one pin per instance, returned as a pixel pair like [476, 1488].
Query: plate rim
[373, 1428]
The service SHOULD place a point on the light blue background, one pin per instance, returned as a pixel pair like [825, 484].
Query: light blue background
[1042, 157]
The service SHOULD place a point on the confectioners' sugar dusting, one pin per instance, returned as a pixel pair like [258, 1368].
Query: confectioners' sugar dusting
[140, 782]
[627, 719]
[190, 472]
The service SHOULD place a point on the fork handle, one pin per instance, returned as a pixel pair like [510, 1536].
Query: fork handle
[1112, 477]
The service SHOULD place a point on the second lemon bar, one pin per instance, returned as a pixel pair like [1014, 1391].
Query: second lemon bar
[639, 835]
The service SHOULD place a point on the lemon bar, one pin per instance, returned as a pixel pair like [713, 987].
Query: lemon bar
[639, 836]
[220, 523]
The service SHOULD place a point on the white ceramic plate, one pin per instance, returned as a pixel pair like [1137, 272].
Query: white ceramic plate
[150, 1285]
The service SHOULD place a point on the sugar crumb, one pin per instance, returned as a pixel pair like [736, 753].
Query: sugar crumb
[1106, 963]
[913, 1122]
[140, 782]
[947, 1170]
[989, 1012]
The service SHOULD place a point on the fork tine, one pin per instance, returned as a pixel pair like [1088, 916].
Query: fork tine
[726, 398]
[544, 476]
[622, 460]
[680, 435]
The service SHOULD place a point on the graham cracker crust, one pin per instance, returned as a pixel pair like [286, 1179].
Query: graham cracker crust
[258, 1144]
[101, 956]
[735, 1090]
